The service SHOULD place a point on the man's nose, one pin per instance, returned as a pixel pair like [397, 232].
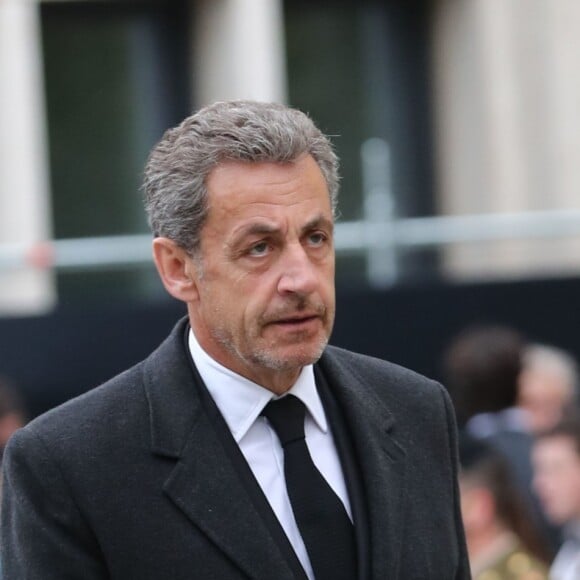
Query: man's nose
[298, 274]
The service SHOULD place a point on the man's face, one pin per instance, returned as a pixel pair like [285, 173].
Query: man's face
[557, 477]
[265, 304]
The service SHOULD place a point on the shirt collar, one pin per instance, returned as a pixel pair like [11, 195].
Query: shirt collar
[241, 411]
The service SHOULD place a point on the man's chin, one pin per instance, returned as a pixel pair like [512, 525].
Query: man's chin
[290, 358]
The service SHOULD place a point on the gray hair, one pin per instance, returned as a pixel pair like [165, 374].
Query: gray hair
[177, 169]
[555, 360]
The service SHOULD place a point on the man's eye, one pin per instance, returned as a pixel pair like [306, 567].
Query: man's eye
[259, 249]
[317, 239]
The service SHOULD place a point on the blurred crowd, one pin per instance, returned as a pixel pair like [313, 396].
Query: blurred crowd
[12, 416]
[518, 413]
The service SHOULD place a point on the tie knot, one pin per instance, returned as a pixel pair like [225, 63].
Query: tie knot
[286, 415]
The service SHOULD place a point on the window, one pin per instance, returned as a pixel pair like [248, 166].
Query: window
[361, 70]
[116, 77]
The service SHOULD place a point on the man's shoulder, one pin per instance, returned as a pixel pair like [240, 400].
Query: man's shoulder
[345, 361]
[87, 433]
[118, 401]
[402, 390]
[105, 405]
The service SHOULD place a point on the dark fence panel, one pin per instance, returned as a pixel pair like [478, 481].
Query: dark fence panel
[74, 349]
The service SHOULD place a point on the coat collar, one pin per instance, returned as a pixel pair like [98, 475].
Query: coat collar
[204, 483]
[204, 474]
[174, 406]
[381, 457]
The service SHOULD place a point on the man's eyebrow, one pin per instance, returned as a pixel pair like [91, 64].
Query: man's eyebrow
[264, 228]
[254, 229]
[320, 221]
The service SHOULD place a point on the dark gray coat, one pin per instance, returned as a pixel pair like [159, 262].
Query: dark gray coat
[130, 481]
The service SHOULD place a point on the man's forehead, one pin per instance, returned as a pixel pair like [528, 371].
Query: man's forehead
[269, 191]
[231, 173]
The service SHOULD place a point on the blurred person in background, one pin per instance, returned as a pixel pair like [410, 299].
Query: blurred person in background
[482, 368]
[13, 416]
[13, 413]
[482, 365]
[547, 386]
[244, 446]
[501, 538]
[556, 460]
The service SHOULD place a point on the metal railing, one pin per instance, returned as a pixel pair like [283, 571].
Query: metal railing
[380, 236]
[379, 240]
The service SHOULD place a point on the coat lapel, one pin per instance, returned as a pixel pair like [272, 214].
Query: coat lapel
[207, 488]
[204, 484]
[382, 462]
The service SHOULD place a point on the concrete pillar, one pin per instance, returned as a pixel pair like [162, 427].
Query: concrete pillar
[24, 176]
[508, 126]
[239, 50]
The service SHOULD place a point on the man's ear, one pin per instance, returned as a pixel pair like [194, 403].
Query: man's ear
[176, 269]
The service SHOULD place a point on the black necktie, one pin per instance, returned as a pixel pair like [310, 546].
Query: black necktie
[322, 520]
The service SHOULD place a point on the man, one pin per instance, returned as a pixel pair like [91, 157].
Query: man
[183, 467]
[556, 459]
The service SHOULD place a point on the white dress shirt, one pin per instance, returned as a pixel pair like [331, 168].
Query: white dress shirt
[241, 401]
[566, 565]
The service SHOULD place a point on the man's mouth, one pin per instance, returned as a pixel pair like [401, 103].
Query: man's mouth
[296, 321]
